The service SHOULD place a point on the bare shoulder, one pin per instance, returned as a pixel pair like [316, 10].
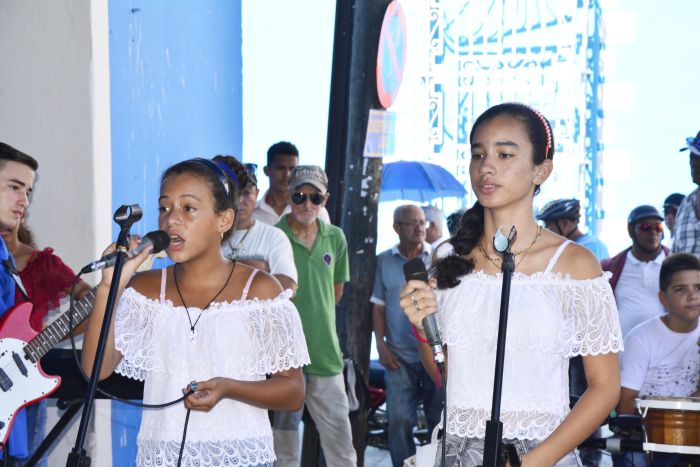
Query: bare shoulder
[265, 286]
[147, 283]
[578, 262]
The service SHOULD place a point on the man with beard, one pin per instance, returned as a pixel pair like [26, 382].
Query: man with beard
[686, 234]
[635, 270]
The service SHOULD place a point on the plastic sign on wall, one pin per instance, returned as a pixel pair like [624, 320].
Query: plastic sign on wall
[391, 55]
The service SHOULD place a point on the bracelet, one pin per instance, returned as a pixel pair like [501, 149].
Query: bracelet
[417, 336]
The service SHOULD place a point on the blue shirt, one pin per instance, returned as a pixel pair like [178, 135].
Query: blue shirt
[594, 244]
[388, 282]
[7, 283]
[18, 436]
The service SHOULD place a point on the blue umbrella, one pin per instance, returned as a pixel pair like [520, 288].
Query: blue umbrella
[418, 181]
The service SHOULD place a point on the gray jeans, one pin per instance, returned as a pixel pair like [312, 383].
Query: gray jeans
[469, 452]
[328, 405]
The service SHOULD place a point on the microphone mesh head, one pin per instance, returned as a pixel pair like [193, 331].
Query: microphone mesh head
[159, 239]
[415, 270]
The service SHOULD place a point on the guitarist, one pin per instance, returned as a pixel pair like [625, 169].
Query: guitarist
[17, 171]
[47, 280]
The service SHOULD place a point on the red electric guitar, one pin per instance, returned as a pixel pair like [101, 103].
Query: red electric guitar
[22, 381]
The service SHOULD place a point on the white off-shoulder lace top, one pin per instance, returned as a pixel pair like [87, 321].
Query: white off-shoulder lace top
[551, 318]
[243, 340]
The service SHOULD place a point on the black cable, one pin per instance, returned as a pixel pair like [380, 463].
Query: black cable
[184, 435]
[76, 357]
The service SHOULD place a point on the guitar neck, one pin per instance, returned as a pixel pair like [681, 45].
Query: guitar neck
[60, 327]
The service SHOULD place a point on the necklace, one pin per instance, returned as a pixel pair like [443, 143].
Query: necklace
[521, 252]
[177, 286]
[234, 249]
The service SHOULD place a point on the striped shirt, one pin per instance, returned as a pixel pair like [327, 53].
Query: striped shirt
[687, 232]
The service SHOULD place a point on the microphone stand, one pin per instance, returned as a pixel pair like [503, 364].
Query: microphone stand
[494, 426]
[125, 216]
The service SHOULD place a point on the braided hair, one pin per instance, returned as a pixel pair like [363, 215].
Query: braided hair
[448, 270]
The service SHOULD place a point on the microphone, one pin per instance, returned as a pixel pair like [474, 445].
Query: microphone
[414, 269]
[158, 239]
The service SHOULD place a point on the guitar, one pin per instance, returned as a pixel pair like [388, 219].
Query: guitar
[22, 380]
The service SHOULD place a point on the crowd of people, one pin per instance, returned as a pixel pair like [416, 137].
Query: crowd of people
[258, 276]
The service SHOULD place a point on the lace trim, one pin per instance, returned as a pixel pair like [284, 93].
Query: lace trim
[471, 423]
[266, 334]
[586, 321]
[241, 452]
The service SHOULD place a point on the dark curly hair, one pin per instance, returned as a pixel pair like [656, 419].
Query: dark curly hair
[213, 175]
[448, 270]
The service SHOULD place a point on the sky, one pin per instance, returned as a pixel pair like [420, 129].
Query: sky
[649, 99]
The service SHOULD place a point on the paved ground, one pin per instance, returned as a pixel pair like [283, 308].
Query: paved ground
[377, 457]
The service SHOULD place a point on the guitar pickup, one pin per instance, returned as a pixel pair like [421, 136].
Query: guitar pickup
[20, 364]
[5, 381]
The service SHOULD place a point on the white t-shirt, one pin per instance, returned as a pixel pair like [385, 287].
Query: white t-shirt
[265, 213]
[637, 291]
[263, 242]
[661, 362]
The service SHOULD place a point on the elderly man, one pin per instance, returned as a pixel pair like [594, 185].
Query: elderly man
[435, 220]
[686, 234]
[321, 258]
[282, 157]
[635, 270]
[407, 382]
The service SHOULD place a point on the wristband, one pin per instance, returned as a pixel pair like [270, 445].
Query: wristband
[417, 336]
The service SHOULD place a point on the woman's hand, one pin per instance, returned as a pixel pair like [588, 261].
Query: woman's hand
[418, 301]
[130, 266]
[206, 393]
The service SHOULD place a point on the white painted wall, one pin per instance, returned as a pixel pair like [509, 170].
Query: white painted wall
[54, 96]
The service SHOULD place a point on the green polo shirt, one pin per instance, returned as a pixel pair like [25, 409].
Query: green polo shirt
[319, 269]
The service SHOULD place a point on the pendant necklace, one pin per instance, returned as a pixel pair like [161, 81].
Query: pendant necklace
[522, 252]
[177, 286]
[234, 249]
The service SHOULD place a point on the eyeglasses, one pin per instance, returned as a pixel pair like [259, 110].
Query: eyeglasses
[424, 224]
[651, 226]
[300, 198]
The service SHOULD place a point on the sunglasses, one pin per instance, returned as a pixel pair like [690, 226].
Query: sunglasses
[650, 227]
[300, 198]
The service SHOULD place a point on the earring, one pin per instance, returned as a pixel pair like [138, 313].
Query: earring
[222, 235]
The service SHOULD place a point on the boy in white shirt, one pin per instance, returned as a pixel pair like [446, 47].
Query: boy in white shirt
[661, 355]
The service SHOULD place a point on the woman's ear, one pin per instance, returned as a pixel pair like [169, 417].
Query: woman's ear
[542, 172]
[226, 220]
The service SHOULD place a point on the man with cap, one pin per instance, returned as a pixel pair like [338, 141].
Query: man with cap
[253, 242]
[686, 233]
[671, 205]
[562, 216]
[321, 258]
[635, 270]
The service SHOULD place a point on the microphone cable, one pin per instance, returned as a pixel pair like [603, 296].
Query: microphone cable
[114, 396]
[104, 392]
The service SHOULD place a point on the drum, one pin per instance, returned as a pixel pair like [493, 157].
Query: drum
[671, 421]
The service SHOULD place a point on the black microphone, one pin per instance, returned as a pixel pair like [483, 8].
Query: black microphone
[414, 269]
[158, 239]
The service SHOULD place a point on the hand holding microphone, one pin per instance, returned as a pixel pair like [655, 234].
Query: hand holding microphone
[158, 239]
[419, 296]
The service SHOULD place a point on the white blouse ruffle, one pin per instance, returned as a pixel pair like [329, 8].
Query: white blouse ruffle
[551, 318]
[243, 340]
